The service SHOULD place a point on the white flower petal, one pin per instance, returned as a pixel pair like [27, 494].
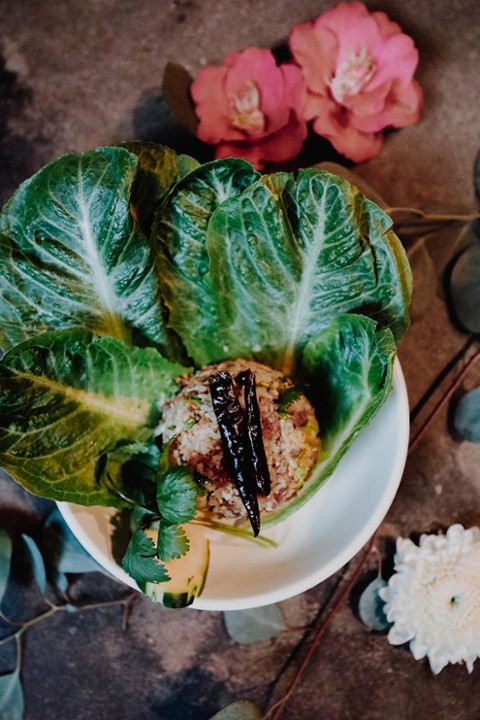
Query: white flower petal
[433, 599]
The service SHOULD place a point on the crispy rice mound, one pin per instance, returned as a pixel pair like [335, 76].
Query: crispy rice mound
[290, 438]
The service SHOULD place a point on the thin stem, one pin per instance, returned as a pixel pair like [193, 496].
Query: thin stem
[441, 377]
[18, 642]
[434, 217]
[127, 601]
[440, 404]
[277, 708]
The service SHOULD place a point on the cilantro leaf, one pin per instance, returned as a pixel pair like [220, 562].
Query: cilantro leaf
[288, 397]
[140, 561]
[177, 495]
[172, 542]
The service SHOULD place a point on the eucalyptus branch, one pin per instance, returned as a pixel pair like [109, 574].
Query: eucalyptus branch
[53, 609]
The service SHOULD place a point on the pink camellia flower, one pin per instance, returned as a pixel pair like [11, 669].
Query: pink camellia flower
[251, 108]
[358, 68]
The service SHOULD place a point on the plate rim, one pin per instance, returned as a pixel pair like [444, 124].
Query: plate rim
[310, 580]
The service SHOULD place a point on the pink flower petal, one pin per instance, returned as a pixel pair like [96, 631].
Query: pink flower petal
[396, 57]
[368, 102]
[211, 106]
[259, 65]
[353, 26]
[279, 147]
[315, 52]
[385, 25]
[401, 108]
[355, 145]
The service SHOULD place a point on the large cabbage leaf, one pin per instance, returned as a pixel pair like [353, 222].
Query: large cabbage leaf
[159, 169]
[347, 370]
[66, 398]
[179, 234]
[274, 264]
[73, 254]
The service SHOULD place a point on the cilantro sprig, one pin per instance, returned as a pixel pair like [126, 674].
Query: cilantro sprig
[176, 493]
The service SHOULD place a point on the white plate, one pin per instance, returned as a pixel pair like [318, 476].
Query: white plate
[314, 542]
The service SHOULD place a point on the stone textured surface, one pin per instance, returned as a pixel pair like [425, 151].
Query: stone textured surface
[77, 75]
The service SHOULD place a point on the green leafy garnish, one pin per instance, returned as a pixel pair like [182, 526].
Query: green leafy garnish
[172, 542]
[289, 396]
[140, 561]
[177, 495]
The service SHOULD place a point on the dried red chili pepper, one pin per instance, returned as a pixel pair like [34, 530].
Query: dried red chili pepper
[261, 472]
[232, 426]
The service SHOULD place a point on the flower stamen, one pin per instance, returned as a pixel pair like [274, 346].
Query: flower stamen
[245, 109]
[352, 74]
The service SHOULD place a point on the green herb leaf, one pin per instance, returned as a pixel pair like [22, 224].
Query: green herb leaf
[73, 254]
[36, 559]
[467, 416]
[68, 397]
[371, 607]
[288, 397]
[62, 551]
[239, 710]
[177, 495]
[254, 625]
[172, 542]
[5, 561]
[11, 696]
[140, 560]
[465, 288]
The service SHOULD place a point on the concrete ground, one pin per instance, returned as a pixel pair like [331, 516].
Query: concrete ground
[74, 76]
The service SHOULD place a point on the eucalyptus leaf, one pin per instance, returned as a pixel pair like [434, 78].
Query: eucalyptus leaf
[254, 625]
[72, 254]
[467, 416]
[371, 607]
[11, 697]
[176, 91]
[66, 399]
[425, 281]
[239, 710]
[465, 288]
[37, 563]
[5, 561]
[63, 552]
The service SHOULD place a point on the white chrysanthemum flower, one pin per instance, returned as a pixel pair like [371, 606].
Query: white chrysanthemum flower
[433, 599]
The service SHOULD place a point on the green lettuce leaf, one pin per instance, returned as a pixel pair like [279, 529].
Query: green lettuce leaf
[72, 254]
[347, 370]
[159, 168]
[275, 263]
[69, 397]
[179, 236]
